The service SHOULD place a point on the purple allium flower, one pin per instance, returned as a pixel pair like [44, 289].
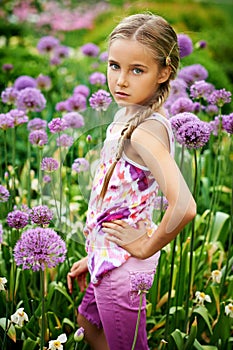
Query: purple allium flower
[185, 45]
[47, 44]
[17, 219]
[193, 73]
[103, 56]
[55, 61]
[77, 103]
[100, 100]
[9, 95]
[227, 123]
[193, 134]
[7, 67]
[220, 97]
[73, 120]
[18, 116]
[62, 106]
[65, 141]
[38, 137]
[31, 99]
[161, 203]
[43, 82]
[201, 89]
[37, 124]
[97, 78]
[41, 215]
[79, 334]
[181, 118]
[46, 179]
[61, 51]
[182, 104]
[141, 282]
[82, 89]
[23, 82]
[56, 125]
[80, 164]
[211, 110]
[49, 164]
[6, 121]
[4, 194]
[178, 87]
[90, 50]
[39, 248]
[201, 44]
[1, 233]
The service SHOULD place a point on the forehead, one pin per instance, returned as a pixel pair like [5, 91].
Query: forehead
[130, 50]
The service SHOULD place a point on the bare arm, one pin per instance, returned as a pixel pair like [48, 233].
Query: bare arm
[78, 272]
[153, 151]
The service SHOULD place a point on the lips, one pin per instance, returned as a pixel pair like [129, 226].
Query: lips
[121, 94]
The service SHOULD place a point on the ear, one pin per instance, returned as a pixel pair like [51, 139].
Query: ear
[164, 74]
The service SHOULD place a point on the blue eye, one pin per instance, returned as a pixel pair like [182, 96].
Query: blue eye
[114, 66]
[137, 71]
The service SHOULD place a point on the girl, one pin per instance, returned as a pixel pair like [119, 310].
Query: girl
[122, 242]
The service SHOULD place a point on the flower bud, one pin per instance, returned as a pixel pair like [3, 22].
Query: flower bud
[79, 334]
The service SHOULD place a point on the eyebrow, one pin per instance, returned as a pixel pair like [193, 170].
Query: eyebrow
[138, 65]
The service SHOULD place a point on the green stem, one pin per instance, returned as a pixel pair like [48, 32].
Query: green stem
[138, 321]
[29, 173]
[39, 176]
[191, 242]
[42, 288]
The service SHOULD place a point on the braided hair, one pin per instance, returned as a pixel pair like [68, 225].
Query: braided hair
[155, 33]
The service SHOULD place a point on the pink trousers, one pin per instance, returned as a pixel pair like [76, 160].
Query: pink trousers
[114, 303]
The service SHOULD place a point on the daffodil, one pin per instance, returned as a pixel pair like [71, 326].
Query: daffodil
[3, 281]
[216, 276]
[201, 297]
[229, 310]
[19, 317]
[57, 344]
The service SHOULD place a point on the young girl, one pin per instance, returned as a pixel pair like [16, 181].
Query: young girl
[122, 242]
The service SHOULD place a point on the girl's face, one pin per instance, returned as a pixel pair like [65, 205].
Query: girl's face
[133, 74]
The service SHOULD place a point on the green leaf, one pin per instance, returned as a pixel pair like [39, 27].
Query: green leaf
[178, 338]
[220, 220]
[11, 331]
[203, 312]
[29, 344]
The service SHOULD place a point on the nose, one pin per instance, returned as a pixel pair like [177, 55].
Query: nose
[122, 80]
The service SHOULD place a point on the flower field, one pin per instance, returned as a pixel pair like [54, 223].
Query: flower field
[55, 108]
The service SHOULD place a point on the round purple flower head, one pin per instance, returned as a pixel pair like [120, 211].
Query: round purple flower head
[65, 141]
[181, 118]
[73, 120]
[56, 125]
[4, 194]
[19, 116]
[38, 137]
[185, 45]
[97, 78]
[43, 82]
[80, 164]
[41, 215]
[90, 50]
[82, 89]
[49, 164]
[47, 44]
[17, 219]
[141, 282]
[227, 123]
[39, 248]
[220, 97]
[193, 73]
[37, 124]
[9, 95]
[201, 89]
[31, 99]
[77, 103]
[23, 82]
[7, 67]
[193, 134]
[6, 121]
[61, 51]
[100, 100]
[182, 104]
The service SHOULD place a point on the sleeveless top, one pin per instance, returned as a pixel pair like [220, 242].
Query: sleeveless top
[130, 196]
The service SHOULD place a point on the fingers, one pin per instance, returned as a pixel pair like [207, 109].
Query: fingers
[70, 282]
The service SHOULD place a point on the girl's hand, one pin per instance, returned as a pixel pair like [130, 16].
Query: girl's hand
[79, 272]
[121, 233]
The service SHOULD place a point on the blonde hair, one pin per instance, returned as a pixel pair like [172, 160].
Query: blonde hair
[159, 37]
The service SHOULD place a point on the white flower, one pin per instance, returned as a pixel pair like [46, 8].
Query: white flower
[229, 310]
[57, 344]
[216, 276]
[3, 281]
[201, 297]
[19, 317]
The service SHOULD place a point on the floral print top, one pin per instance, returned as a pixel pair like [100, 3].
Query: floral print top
[130, 196]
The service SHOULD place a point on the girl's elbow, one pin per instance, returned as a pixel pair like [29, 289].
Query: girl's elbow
[192, 210]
